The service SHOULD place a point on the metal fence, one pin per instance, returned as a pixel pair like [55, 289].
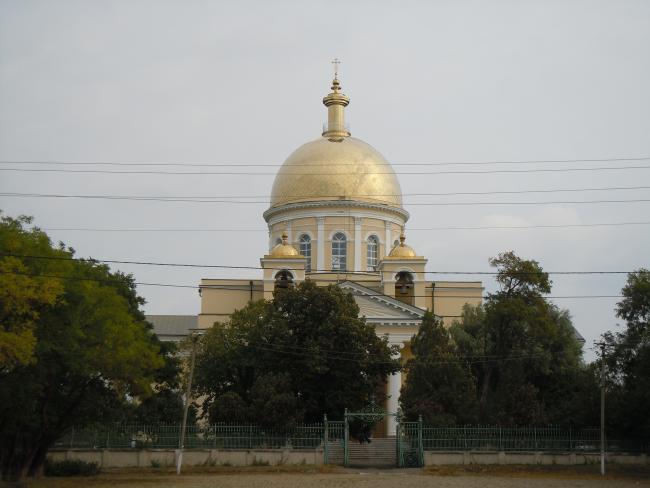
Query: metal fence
[413, 437]
[219, 436]
[522, 438]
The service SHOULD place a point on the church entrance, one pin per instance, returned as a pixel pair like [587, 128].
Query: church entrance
[352, 443]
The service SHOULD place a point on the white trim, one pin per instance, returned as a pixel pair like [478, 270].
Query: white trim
[357, 244]
[304, 232]
[271, 212]
[344, 232]
[388, 246]
[373, 233]
[320, 244]
[315, 213]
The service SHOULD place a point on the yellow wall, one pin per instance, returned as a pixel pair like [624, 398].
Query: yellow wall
[343, 220]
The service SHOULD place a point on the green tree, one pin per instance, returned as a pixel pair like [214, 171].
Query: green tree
[522, 349]
[301, 355]
[628, 361]
[25, 289]
[92, 348]
[440, 386]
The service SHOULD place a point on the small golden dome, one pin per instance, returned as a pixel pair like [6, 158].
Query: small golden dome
[284, 249]
[401, 250]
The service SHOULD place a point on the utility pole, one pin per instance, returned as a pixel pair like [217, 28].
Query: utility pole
[188, 392]
[602, 408]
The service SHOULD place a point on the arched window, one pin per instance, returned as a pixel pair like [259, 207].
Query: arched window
[372, 253]
[404, 287]
[305, 250]
[283, 279]
[339, 252]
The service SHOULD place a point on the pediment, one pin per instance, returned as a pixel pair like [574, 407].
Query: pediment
[379, 308]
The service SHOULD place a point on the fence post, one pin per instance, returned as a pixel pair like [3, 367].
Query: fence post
[500, 438]
[250, 436]
[420, 442]
[398, 433]
[535, 437]
[325, 440]
[346, 432]
[570, 440]
[72, 437]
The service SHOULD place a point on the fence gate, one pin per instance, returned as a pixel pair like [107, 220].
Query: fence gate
[410, 449]
[369, 451]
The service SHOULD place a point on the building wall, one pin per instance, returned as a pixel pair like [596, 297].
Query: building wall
[295, 223]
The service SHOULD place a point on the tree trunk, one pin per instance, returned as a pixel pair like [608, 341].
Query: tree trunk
[485, 388]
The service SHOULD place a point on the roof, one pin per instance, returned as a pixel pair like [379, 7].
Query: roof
[172, 327]
[378, 308]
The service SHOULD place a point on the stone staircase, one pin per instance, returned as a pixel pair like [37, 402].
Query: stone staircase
[380, 452]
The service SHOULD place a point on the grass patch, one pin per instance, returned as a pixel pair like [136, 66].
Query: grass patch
[584, 471]
[71, 467]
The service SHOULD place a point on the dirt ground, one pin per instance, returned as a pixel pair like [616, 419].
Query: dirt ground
[452, 477]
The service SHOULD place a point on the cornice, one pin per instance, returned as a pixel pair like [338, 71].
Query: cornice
[273, 211]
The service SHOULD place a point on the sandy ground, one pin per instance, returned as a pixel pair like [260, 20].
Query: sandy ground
[344, 478]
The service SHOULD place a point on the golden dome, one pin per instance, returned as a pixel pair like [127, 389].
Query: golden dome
[336, 166]
[402, 251]
[284, 249]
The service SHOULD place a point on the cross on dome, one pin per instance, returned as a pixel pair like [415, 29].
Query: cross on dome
[336, 63]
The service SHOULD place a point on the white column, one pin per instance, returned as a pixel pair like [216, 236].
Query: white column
[389, 239]
[357, 243]
[320, 245]
[392, 405]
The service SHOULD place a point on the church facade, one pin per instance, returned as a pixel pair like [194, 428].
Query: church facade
[336, 217]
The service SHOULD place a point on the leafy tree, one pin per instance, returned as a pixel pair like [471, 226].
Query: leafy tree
[25, 289]
[92, 347]
[628, 361]
[301, 355]
[522, 349]
[440, 386]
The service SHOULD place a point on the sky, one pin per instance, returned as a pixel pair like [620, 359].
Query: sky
[241, 82]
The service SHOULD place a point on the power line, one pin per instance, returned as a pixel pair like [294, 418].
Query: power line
[224, 287]
[372, 196]
[222, 266]
[232, 173]
[275, 164]
[431, 204]
[411, 229]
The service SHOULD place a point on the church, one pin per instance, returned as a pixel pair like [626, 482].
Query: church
[336, 217]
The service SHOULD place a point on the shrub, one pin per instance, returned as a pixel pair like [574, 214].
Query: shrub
[71, 467]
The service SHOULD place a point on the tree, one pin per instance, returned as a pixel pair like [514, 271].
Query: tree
[25, 289]
[292, 359]
[522, 349]
[92, 347]
[440, 386]
[628, 361]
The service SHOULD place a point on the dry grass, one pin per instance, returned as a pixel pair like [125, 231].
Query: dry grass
[287, 476]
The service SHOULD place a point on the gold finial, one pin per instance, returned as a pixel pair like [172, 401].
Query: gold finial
[335, 130]
[402, 238]
[285, 238]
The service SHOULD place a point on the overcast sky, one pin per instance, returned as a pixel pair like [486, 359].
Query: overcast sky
[242, 82]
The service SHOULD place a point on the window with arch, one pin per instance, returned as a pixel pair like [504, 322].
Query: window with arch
[305, 250]
[372, 253]
[404, 287]
[339, 252]
[283, 279]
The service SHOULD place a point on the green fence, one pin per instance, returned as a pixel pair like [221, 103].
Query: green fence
[524, 438]
[413, 438]
[220, 436]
